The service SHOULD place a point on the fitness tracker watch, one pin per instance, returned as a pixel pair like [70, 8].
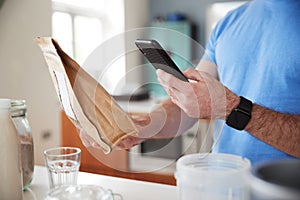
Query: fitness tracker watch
[241, 115]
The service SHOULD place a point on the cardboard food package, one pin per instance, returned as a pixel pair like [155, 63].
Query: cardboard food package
[89, 106]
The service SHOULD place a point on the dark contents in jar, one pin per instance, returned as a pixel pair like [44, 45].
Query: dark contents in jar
[27, 159]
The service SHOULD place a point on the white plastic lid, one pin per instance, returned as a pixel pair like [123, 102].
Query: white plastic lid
[212, 168]
[4, 103]
[211, 162]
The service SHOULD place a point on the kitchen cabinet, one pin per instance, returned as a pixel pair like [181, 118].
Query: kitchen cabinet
[117, 160]
[174, 37]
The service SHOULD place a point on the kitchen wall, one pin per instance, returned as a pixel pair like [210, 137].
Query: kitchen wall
[23, 73]
[136, 16]
[195, 10]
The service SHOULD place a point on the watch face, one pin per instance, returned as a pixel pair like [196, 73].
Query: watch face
[238, 119]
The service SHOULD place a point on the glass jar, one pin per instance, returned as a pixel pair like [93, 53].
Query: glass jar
[18, 112]
[10, 167]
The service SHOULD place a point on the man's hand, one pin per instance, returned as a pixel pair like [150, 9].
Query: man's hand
[140, 120]
[203, 97]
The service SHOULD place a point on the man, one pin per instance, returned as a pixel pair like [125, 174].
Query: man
[254, 53]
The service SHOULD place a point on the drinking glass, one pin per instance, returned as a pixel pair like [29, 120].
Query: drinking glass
[63, 165]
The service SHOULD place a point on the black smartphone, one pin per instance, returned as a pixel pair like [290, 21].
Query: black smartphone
[158, 57]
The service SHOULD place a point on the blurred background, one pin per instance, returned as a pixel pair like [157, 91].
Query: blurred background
[80, 27]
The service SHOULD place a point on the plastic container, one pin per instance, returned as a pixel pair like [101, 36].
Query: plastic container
[278, 180]
[18, 112]
[10, 167]
[212, 177]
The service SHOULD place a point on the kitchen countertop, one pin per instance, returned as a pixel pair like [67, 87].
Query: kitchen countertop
[129, 189]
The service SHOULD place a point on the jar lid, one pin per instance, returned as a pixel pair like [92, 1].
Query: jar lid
[17, 104]
[211, 165]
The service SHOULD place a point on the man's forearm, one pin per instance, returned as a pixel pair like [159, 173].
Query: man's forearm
[175, 120]
[281, 131]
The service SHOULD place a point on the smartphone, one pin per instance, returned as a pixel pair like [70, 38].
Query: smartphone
[158, 57]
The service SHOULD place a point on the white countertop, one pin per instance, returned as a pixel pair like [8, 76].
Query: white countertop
[129, 189]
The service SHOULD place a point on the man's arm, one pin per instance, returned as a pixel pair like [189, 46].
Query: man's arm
[167, 120]
[205, 97]
[279, 130]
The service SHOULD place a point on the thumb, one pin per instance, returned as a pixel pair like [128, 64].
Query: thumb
[192, 74]
[85, 138]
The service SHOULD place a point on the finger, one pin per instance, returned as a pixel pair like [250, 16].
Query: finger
[84, 138]
[88, 141]
[193, 74]
[163, 77]
[177, 96]
[169, 81]
[173, 96]
[128, 143]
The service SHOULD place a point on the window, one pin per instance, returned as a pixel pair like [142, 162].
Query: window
[81, 26]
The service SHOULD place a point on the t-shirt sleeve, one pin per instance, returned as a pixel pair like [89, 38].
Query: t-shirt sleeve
[210, 49]
[209, 54]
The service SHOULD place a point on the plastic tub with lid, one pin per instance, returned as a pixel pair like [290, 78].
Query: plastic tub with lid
[212, 176]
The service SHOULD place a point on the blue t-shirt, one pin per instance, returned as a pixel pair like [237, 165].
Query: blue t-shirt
[257, 51]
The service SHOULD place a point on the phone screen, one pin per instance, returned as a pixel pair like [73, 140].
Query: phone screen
[159, 58]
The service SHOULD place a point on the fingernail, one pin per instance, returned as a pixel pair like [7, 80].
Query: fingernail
[158, 71]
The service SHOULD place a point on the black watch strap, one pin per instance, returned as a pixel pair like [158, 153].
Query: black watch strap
[241, 115]
[245, 105]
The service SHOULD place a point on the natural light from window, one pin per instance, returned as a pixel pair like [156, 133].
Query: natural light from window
[80, 26]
